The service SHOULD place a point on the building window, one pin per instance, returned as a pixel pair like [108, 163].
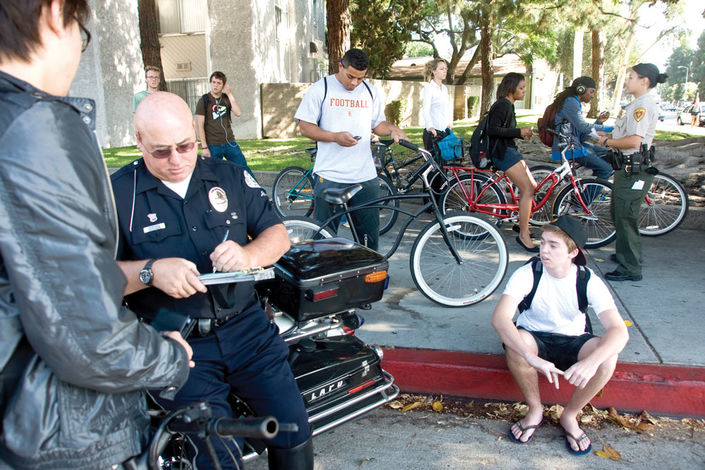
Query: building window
[182, 16]
[278, 23]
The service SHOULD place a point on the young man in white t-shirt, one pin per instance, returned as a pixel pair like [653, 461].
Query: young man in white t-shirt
[342, 125]
[550, 336]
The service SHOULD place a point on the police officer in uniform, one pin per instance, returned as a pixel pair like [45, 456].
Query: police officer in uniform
[181, 215]
[632, 137]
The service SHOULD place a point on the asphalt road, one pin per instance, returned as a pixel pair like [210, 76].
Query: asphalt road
[389, 439]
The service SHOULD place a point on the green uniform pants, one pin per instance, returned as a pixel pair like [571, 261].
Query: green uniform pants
[626, 202]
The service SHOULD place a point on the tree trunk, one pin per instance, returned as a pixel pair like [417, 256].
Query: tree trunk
[487, 56]
[615, 107]
[598, 71]
[338, 31]
[149, 37]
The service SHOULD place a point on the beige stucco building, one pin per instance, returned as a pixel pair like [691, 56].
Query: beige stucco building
[251, 41]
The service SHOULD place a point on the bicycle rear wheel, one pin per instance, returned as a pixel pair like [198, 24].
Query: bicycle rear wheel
[441, 278]
[387, 217]
[597, 195]
[665, 208]
[302, 228]
[292, 192]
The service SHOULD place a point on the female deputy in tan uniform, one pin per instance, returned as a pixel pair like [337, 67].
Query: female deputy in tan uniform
[635, 127]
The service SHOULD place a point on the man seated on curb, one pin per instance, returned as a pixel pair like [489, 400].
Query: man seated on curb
[551, 335]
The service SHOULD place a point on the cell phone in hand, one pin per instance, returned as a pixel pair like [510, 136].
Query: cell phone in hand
[168, 320]
[357, 137]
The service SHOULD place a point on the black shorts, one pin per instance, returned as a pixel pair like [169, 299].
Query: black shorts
[559, 349]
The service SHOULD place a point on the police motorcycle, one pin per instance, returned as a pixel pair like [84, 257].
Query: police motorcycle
[312, 294]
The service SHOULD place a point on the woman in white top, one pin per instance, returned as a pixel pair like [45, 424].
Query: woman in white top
[435, 111]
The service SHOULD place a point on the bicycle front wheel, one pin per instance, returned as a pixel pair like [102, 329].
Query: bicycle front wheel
[665, 207]
[302, 228]
[387, 217]
[597, 196]
[483, 260]
[292, 192]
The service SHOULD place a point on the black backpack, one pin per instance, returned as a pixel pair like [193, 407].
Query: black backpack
[480, 152]
[580, 285]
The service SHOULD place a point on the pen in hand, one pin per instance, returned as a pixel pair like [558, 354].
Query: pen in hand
[225, 237]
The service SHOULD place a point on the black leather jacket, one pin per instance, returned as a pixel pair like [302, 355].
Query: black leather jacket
[78, 402]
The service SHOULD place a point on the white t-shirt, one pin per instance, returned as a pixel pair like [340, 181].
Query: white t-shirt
[554, 308]
[435, 110]
[353, 111]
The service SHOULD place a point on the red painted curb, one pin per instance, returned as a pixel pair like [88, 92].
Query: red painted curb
[658, 389]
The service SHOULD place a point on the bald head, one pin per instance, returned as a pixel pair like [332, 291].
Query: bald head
[166, 136]
[158, 108]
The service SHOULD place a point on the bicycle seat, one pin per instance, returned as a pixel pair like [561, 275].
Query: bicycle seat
[387, 142]
[340, 195]
[312, 150]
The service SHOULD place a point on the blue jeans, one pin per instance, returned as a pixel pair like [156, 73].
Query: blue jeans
[230, 151]
[366, 221]
[600, 168]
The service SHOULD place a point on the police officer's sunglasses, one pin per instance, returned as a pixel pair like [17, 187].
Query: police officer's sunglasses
[166, 153]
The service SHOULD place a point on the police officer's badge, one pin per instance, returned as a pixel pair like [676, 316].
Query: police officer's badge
[218, 199]
[250, 181]
[639, 114]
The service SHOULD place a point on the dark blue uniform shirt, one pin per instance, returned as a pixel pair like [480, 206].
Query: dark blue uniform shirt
[155, 222]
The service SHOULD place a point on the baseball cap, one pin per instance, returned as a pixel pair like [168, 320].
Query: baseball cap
[572, 227]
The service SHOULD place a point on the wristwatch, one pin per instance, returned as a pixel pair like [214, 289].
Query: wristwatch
[146, 275]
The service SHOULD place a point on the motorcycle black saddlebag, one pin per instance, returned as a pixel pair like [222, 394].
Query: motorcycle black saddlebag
[326, 276]
[340, 378]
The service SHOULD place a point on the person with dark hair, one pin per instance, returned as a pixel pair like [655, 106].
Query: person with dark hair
[632, 137]
[340, 112]
[75, 361]
[435, 109]
[553, 335]
[569, 121]
[213, 116]
[501, 125]
[152, 75]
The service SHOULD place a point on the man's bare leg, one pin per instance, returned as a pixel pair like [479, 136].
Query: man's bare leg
[582, 396]
[526, 378]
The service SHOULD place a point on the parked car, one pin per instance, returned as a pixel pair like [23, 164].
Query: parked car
[684, 117]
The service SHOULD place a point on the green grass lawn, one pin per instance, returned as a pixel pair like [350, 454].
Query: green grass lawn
[276, 154]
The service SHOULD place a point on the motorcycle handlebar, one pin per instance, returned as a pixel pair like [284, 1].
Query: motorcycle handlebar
[258, 428]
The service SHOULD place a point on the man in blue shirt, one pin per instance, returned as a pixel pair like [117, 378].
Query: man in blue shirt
[569, 121]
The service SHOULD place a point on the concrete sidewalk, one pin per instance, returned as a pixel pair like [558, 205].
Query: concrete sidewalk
[435, 349]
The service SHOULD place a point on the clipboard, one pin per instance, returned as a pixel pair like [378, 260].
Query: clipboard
[247, 275]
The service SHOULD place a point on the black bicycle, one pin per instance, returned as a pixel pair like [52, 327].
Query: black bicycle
[458, 259]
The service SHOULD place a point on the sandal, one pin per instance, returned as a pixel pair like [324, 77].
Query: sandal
[523, 430]
[577, 440]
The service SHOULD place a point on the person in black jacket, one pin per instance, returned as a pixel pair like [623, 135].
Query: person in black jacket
[74, 361]
[501, 125]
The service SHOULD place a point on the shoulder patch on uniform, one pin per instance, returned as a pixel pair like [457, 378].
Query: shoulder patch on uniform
[250, 180]
[639, 113]
[218, 198]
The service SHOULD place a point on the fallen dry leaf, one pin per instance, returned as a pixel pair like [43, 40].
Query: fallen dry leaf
[362, 461]
[411, 406]
[628, 323]
[437, 406]
[395, 405]
[609, 452]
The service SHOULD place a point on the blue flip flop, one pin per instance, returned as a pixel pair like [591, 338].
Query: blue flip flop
[580, 438]
[523, 430]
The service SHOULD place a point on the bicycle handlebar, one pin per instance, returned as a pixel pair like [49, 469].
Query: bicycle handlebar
[409, 145]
